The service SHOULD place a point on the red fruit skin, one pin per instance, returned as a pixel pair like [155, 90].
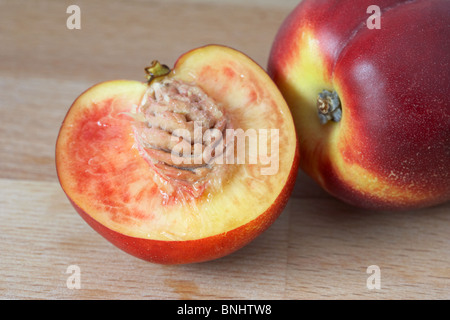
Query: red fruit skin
[393, 83]
[333, 23]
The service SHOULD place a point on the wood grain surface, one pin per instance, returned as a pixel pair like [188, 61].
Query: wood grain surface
[319, 248]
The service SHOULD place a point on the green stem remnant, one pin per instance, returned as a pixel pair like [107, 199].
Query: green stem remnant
[329, 106]
[156, 70]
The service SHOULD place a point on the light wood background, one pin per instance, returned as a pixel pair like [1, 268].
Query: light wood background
[319, 248]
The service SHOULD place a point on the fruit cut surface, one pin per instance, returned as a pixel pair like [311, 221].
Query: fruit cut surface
[104, 173]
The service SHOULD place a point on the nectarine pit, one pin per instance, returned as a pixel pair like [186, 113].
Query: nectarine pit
[180, 131]
[329, 106]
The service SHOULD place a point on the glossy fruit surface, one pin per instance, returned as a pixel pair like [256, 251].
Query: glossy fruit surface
[391, 147]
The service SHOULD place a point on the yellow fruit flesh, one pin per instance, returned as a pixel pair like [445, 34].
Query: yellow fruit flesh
[104, 174]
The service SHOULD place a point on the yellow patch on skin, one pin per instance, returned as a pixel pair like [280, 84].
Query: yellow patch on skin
[304, 78]
[373, 184]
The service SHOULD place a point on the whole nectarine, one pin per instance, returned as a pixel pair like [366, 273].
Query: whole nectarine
[370, 104]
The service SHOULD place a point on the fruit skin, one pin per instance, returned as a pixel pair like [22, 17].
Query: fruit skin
[391, 150]
[185, 251]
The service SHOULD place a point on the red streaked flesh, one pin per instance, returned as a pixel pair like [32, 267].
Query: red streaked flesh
[103, 173]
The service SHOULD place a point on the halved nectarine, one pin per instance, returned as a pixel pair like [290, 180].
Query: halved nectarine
[188, 167]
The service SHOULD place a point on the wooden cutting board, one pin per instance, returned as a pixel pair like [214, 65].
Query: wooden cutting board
[318, 248]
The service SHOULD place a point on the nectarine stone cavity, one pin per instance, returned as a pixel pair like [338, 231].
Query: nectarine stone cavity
[180, 131]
